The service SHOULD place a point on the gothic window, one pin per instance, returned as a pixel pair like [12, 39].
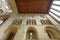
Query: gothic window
[49, 22]
[46, 22]
[28, 22]
[17, 22]
[14, 22]
[20, 22]
[31, 22]
[43, 22]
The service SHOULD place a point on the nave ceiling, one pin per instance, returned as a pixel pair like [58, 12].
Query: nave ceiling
[33, 6]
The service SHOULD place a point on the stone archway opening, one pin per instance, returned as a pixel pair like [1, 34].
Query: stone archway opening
[31, 34]
[52, 33]
[11, 32]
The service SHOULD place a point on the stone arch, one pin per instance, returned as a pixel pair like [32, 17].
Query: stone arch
[53, 33]
[31, 34]
[11, 31]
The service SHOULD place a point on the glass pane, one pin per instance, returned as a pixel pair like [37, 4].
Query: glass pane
[55, 7]
[54, 16]
[56, 2]
[57, 13]
[1, 21]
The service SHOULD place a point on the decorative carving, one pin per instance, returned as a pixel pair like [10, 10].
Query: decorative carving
[46, 22]
[31, 22]
[17, 22]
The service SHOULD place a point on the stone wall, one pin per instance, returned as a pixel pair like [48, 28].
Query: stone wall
[22, 29]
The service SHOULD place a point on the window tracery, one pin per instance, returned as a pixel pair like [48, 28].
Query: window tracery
[45, 22]
[17, 22]
[31, 22]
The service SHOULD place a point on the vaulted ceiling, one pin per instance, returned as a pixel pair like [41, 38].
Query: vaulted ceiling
[33, 6]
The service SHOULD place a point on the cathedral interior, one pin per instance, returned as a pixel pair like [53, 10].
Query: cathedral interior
[29, 20]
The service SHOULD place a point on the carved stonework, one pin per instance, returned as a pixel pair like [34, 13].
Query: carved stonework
[17, 22]
[46, 22]
[31, 22]
[1, 11]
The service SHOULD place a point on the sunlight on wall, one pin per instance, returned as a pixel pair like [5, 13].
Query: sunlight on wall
[55, 7]
[56, 2]
[54, 16]
[55, 10]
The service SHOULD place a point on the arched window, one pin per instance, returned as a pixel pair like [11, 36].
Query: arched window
[17, 22]
[31, 22]
[52, 33]
[46, 22]
[42, 21]
[28, 22]
[11, 33]
[20, 22]
[31, 34]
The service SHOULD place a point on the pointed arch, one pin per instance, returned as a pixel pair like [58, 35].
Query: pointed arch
[11, 31]
[52, 32]
[46, 22]
[17, 22]
[31, 22]
[31, 34]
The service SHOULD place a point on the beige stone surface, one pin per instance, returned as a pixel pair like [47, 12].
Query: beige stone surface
[22, 29]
